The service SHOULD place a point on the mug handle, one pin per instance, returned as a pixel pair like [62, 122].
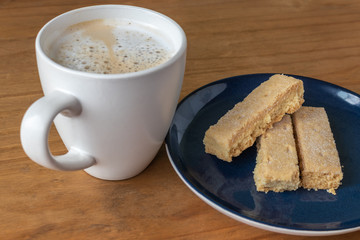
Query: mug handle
[35, 128]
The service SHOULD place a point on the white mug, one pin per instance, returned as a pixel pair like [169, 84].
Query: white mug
[112, 124]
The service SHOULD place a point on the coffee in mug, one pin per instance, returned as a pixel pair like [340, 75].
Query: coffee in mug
[111, 46]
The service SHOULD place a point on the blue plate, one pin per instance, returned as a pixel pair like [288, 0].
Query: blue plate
[230, 188]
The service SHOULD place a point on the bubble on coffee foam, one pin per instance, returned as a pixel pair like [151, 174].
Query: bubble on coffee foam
[132, 49]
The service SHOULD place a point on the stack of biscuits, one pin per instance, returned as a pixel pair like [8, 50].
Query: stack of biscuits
[295, 143]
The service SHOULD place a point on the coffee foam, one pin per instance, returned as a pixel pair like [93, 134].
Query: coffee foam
[110, 46]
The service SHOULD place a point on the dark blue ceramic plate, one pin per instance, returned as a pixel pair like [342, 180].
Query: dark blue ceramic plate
[230, 188]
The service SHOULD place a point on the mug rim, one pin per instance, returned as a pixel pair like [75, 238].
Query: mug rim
[178, 53]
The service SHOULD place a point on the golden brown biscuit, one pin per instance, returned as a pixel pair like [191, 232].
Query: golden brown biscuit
[318, 157]
[277, 166]
[265, 105]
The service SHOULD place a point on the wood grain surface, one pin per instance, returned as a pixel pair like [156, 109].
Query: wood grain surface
[319, 39]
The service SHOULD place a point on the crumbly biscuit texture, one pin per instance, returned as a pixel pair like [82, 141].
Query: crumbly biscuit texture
[319, 159]
[277, 166]
[265, 105]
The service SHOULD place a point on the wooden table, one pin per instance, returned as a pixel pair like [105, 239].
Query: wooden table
[319, 39]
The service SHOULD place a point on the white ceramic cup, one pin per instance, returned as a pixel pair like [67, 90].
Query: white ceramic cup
[112, 124]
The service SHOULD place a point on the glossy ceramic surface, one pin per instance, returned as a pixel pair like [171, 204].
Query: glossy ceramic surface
[104, 119]
[230, 188]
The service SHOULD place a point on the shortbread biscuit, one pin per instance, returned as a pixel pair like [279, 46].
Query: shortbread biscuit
[277, 166]
[265, 105]
[318, 157]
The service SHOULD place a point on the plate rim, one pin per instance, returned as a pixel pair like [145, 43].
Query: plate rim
[232, 214]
